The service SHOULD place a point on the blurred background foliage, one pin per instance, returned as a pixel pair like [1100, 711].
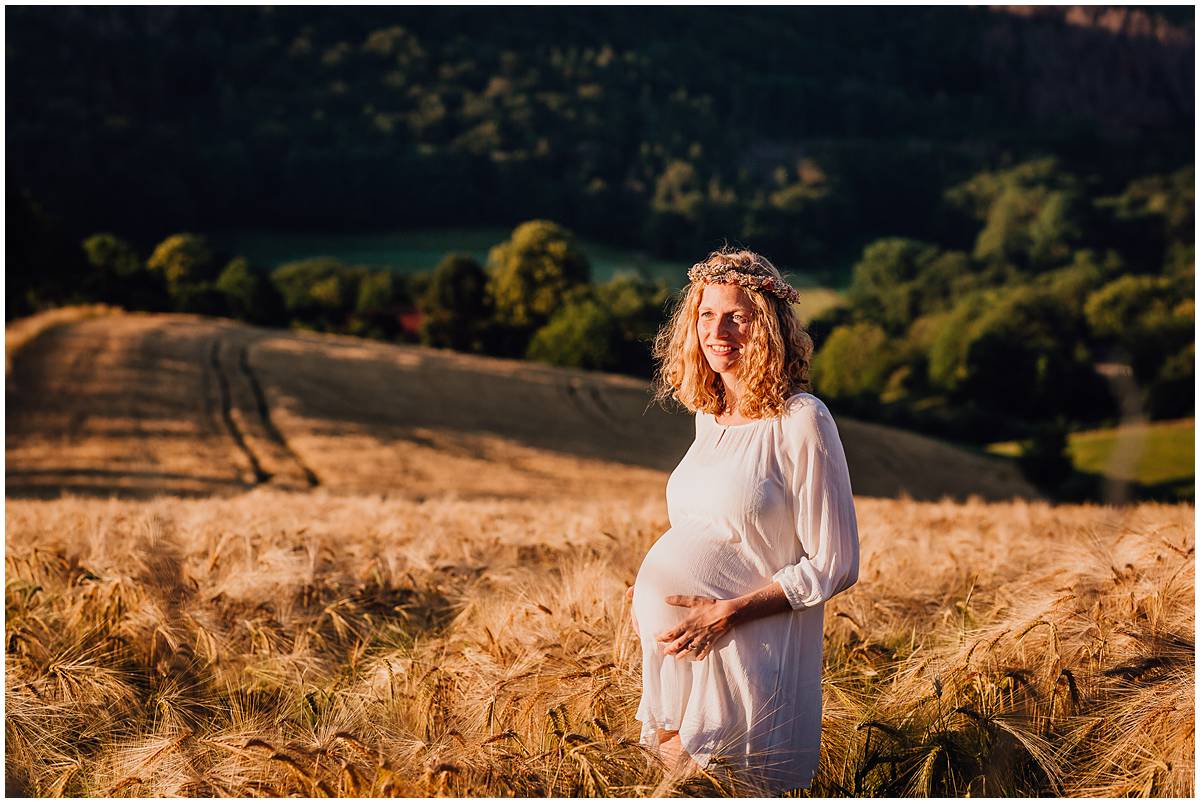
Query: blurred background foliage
[1004, 199]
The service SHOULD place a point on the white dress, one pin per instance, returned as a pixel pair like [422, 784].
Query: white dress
[748, 504]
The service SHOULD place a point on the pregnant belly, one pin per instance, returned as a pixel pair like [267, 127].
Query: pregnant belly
[690, 560]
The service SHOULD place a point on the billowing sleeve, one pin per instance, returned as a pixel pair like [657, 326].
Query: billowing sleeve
[826, 524]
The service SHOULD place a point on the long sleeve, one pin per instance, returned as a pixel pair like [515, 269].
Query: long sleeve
[824, 505]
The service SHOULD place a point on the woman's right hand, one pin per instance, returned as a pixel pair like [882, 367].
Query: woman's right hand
[632, 616]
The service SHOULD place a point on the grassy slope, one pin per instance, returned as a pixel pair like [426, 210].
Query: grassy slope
[159, 403]
[1155, 455]
[1165, 452]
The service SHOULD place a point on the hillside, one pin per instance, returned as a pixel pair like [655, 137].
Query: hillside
[143, 404]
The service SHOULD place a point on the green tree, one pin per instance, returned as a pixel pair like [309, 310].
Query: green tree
[1144, 316]
[854, 363]
[1128, 304]
[321, 291]
[886, 286]
[183, 259]
[1016, 352]
[638, 306]
[582, 334]
[910, 381]
[1045, 460]
[1180, 264]
[1033, 214]
[375, 309]
[1164, 204]
[947, 352]
[239, 284]
[119, 277]
[1172, 393]
[111, 256]
[676, 209]
[1088, 272]
[455, 306]
[823, 323]
[376, 294]
[249, 296]
[200, 298]
[533, 271]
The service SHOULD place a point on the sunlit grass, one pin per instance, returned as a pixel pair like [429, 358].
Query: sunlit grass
[1166, 451]
[1151, 454]
[321, 645]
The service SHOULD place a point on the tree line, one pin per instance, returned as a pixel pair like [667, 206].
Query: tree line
[533, 298]
[990, 339]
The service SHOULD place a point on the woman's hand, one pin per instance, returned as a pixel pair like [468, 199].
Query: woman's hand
[707, 621]
[632, 615]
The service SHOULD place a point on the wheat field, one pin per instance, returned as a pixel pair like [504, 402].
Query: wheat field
[442, 612]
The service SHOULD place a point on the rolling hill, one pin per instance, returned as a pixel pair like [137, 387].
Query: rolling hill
[140, 404]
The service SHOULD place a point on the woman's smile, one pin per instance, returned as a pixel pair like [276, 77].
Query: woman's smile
[723, 324]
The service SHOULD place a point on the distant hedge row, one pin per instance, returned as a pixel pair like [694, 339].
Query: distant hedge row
[535, 298]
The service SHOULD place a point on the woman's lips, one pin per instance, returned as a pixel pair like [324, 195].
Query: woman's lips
[722, 350]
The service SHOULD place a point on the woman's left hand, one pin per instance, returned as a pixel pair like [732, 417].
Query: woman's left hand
[707, 621]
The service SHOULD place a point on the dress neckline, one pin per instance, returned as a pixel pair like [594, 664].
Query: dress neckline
[743, 424]
[756, 420]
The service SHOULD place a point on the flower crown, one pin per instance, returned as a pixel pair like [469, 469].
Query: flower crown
[709, 273]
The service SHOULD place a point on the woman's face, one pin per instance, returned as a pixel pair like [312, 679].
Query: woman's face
[723, 325]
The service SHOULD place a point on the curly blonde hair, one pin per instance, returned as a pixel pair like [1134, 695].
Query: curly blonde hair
[775, 363]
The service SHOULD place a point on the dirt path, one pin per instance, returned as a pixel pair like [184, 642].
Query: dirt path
[140, 405]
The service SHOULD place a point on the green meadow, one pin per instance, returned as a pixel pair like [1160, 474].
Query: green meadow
[1158, 456]
[1162, 454]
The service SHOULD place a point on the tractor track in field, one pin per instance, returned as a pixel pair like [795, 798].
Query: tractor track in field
[264, 416]
[235, 368]
[225, 402]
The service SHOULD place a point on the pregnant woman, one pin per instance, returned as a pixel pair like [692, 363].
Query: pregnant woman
[729, 602]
